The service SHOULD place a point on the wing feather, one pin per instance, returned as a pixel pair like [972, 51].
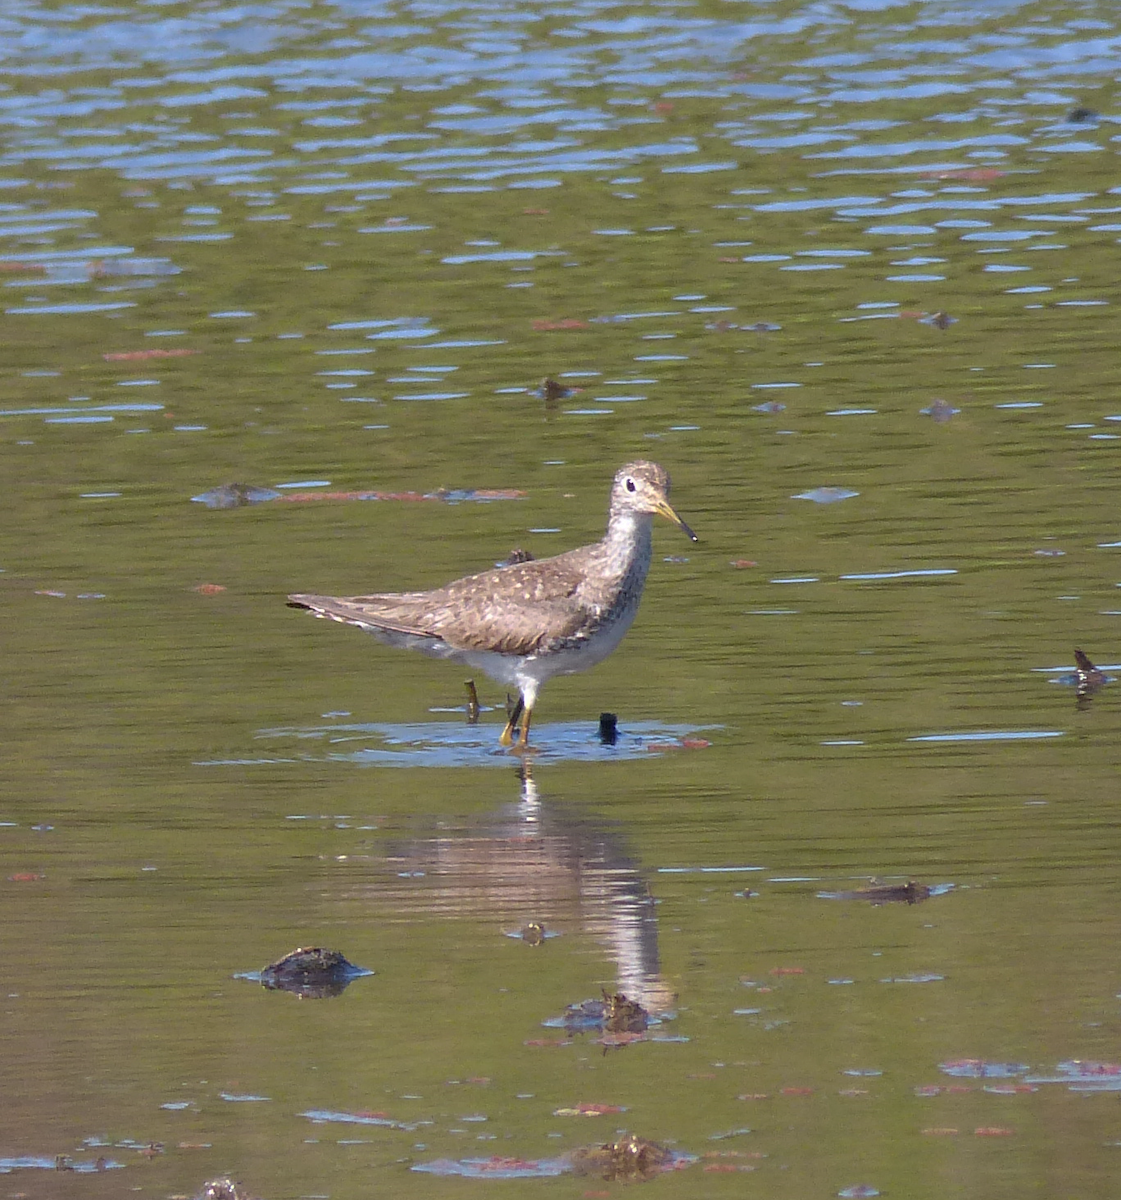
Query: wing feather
[518, 610]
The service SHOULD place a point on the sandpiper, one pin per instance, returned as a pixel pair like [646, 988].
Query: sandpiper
[524, 623]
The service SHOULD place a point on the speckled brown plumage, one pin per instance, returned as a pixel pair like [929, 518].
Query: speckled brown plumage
[528, 621]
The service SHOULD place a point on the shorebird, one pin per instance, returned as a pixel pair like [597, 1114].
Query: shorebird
[524, 623]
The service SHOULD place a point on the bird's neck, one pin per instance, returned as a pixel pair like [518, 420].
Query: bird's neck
[627, 543]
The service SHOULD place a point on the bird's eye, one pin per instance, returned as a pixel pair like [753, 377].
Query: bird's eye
[630, 485]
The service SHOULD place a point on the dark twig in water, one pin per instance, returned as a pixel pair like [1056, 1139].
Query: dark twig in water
[1088, 679]
[472, 702]
[608, 728]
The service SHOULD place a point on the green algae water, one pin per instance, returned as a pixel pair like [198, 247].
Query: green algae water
[848, 273]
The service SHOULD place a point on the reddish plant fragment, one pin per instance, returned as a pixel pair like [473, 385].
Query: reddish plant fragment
[993, 1131]
[939, 1132]
[25, 877]
[796, 1091]
[787, 971]
[23, 266]
[662, 106]
[543, 324]
[1078, 1069]
[483, 1079]
[141, 355]
[726, 1168]
[208, 589]
[375, 1114]
[728, 260]
[741, 564]
[972, 174]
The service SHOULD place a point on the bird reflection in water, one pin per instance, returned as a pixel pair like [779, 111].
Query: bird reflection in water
[539, 866]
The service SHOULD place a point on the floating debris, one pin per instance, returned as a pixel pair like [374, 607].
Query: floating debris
[630, 1158]
[979, 1068]
[589, 1110]
[826, 495]
[615, 1013]
[550, 391]
[498, 1167]
[320, 1116]
[1083, 116]
[940, 320]
[910, 892]
[60, 1162]
[940, 411]
[533, 934]
[144, 355]
[769, 406]
[223, 1189]
[311, 973]
[235, 495]
[517, 555]
[543, 324]
[208, 589]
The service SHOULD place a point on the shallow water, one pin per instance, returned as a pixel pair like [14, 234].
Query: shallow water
[847, 272]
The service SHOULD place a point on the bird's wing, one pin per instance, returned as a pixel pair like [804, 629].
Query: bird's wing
[517, 610]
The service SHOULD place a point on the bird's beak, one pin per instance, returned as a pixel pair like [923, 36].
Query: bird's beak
[665, 509]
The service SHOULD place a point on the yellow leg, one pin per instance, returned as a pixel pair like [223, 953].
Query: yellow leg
[507, 737]
[523, 741]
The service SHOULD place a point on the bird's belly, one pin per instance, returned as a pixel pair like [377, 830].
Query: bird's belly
[580, 657]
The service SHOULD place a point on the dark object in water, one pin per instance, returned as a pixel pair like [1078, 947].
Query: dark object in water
[517, 555]
[472, 702]
[235, 495]
[1088, 679]
[886, 893]
[940, 320]
[1082, 116]
[630, 1158]
[613, 1014]
[533, 933]
[940, 411]
[311, 973]
[608, 728]
[550, 391]
[223, 1189]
